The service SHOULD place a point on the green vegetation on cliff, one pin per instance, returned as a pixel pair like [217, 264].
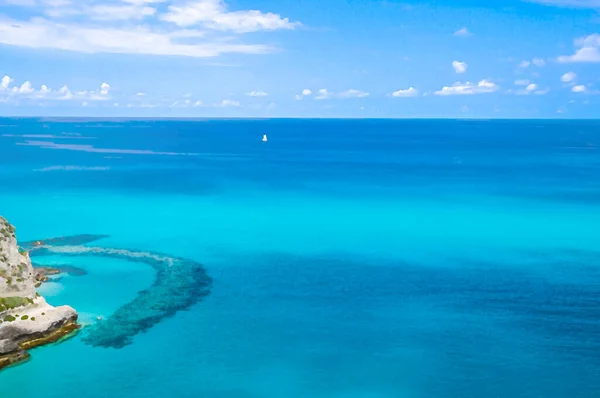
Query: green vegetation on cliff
[9, 303]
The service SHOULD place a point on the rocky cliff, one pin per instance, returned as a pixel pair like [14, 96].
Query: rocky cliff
[26, 320]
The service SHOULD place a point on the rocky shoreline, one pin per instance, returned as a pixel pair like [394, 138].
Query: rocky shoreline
[19, 343]
[26, 319]
[179, 284]
[44, 273]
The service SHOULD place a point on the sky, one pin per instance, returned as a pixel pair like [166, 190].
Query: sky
[300, 58]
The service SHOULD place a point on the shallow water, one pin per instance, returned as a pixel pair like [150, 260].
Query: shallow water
[348, 258]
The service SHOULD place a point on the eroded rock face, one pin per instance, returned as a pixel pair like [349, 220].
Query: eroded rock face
[16, 272]
[26, 319]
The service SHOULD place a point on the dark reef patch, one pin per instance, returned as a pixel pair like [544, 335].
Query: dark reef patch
[63, 241]
[179, 284]
[42, 272]
[59, 269]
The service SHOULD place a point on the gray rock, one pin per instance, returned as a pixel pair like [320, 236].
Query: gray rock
[8, 345]
[17, 289]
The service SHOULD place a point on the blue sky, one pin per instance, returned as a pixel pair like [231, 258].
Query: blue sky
[300, 58]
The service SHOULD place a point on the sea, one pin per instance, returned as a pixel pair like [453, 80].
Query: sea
[343, 258]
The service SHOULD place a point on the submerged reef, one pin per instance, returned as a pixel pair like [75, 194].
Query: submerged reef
[42, 273]
[179, 284]
[26, 320]
[64, 240]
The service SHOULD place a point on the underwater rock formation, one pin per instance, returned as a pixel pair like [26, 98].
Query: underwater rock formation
[64, 241]
[26, 320]
[179, 284]
[42, 273]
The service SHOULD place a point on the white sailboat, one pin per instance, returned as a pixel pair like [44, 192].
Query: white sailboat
[264, 139]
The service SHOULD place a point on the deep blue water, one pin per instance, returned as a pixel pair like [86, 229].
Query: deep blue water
[349, 258]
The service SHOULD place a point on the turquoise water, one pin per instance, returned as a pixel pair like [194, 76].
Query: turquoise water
[347, 258]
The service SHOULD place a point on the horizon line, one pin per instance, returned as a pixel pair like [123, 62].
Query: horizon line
[193, 118]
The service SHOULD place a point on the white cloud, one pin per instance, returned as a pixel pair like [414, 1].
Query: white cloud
[524, 64]
[22, 3]
[58, 3]
[6, 81]
[39, 33]
[585, 54]
[588, 50]
[579, 89]
[26, 88]
[121, 12]
[230, 103]
[198, 104]
[136, 40]
[458, 88]
[174, 104]
[100, 28]
[139, 2]
[353, 94]
[210, 14]
[462, 32]
[104, 88]
[61, 9]
[257, 94]
[305, 93]
[538, 62]
[65, 92]
[531, 87]
[568, 77]
[323, 94]
[213, 14]
[409, 92]
[460, 67]
[521, 82]
[26, 91]
[569, 3]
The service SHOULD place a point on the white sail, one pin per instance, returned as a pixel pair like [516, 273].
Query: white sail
[264, 139]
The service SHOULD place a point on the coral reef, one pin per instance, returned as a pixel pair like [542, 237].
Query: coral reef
[179, 284]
